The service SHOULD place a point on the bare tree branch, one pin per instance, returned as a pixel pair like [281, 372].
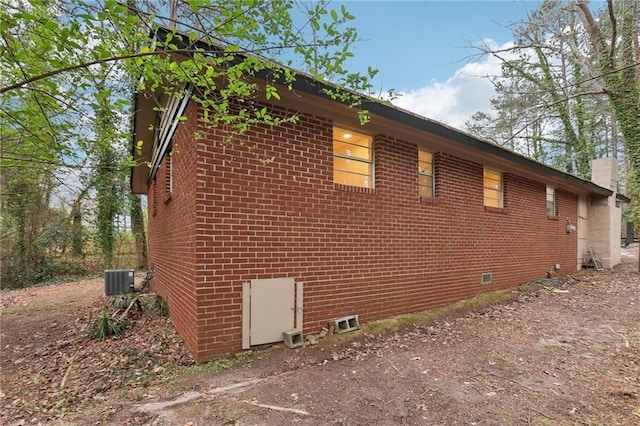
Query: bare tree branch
[614, 29]
[592, 29]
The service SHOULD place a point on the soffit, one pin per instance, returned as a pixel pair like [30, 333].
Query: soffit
[308, 96]
[435, 137]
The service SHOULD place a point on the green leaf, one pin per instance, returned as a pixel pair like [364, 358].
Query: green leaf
[79, 108]
[271, 92]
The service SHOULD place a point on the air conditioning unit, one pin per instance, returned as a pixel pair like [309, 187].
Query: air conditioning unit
[118, 281]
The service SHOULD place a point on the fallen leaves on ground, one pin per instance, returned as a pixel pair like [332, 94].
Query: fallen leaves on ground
[565, 351]
[73, 371]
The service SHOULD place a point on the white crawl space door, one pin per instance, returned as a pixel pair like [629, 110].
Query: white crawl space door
[269, 307]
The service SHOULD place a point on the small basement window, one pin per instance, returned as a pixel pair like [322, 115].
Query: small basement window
[492, 182]
[426, 186]
[486, 278]
[352, 158]
[551, 202]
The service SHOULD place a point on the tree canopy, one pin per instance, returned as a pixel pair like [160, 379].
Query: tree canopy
[69, 69]
[570, 87]
[569, 92]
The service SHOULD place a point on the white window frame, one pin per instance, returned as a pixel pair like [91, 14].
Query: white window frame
[499, 190]
[168, 121]
[553, 211]
[422, 173]
[371, 161]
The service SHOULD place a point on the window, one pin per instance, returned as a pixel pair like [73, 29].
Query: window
[169, 175]
[551, 201]
[352, 158]
[154, 204]
[425, 173]
[167, 121]
[492, 181]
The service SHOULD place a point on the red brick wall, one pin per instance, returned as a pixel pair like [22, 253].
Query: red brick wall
[375, 253]
[172, 231]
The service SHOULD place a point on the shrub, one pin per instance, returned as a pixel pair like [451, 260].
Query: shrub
[106, 326]
[161, 305]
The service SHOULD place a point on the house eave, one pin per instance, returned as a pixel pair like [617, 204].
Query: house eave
[467, 142]
[385, 118]
[144, 115]
[623, 198]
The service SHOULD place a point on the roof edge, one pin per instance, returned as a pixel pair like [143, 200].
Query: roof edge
[310, 85]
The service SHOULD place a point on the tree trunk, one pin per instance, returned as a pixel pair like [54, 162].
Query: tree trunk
[76, 233]
[621, 80]
[138, 230]
[77, 237]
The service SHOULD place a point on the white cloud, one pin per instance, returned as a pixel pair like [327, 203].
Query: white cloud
[460, 96]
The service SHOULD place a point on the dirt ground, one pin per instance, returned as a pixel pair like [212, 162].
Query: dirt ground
[558, 352]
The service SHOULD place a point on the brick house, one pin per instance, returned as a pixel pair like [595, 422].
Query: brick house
[397, 216]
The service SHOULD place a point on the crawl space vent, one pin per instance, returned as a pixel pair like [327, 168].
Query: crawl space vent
[486, 278]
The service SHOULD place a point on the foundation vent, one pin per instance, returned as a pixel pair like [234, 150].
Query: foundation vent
[486, 278]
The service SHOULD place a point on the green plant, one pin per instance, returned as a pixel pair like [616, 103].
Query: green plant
[220, 364]
[213, 365]
[244, 357]
[107, 325]
[383, 325]
[161, 305]
[232, 419]
[393, 323]
[422, 316]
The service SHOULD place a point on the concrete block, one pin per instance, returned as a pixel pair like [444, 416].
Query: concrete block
[345, 324]
[293, 338]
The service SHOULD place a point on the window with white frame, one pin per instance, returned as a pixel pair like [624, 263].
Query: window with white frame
[426, 184]
[352, 158]
[551, 201]
[492, 182]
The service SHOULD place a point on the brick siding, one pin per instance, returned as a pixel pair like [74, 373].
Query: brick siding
[172, 231]
[372, 252]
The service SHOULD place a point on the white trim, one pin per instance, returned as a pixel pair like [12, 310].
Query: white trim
[431, 175]
[554, 201]
[173, 111]
[246, 315]
[299, 305]
[500, 190]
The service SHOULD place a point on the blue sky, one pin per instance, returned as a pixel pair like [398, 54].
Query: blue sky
[422, 50]
[414, 42]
